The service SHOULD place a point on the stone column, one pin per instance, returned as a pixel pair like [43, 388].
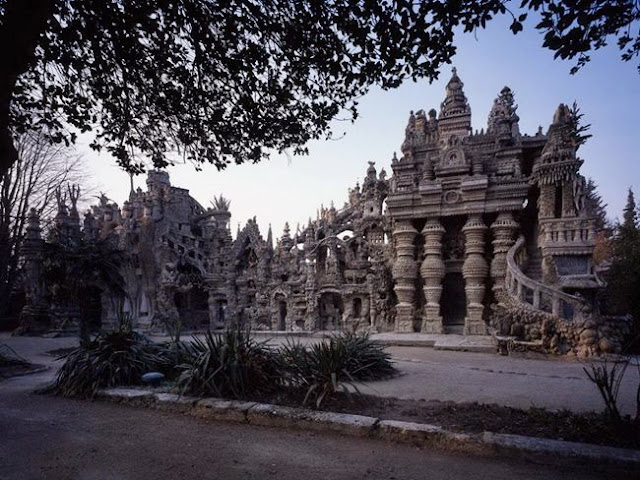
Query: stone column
[568, 205]
[474, 271]
[432, 271]
[547, 200]
[34, 317]
[405, 272]
[503, 229]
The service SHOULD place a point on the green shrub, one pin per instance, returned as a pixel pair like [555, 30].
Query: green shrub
[365, 360]
[323, 368]
[119, 357]
[228, 364]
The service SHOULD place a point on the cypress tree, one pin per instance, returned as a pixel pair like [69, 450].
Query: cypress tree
[624, 275]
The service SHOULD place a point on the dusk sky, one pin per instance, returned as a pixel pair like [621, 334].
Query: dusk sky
[293, 188]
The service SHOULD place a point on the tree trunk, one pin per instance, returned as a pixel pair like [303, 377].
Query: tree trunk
[23, 23]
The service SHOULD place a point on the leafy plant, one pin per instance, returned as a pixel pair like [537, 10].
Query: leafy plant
[323, 368]
[229, 364]
[119, 357]
[364, 359]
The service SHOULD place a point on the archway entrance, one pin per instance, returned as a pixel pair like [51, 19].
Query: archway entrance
[281, 312]
[193, 308]
[330, 308]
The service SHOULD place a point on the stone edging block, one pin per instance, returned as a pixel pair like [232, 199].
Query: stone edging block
[135, 396]
[279, 416]
[219, 409]
[585, 452]
[429, 435]
[423, 435]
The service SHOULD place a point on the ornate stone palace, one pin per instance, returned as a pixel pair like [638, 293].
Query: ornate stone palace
[483, 232]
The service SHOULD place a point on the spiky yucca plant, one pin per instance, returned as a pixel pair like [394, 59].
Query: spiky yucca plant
[115, 358]
[336, 364]
[229, 364]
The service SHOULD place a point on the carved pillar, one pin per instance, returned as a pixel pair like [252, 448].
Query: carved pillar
[474, 271]
[503, 229]
[405, 272]
[547, 200]
[432, 271]
[34, 317]
[568, 205]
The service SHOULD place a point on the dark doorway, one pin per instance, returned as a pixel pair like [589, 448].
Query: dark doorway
[221, 308]
[193, 308]
[453, 302]
[91, 308]
[357, 307]
[282, 315]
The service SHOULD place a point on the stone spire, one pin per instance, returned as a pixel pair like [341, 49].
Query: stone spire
[455, 102]
[556, 172]
[285, 240]
[558, 161]
[270, 238]
[455, 113]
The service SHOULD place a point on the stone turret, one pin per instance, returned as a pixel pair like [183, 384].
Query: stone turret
[455, 112]
[557, 169]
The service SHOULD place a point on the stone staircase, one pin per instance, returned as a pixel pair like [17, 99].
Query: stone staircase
[533, 269]
[523, 285]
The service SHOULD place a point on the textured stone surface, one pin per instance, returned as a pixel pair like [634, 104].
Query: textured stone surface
[219, 409]
[127, 395]
[275, 415]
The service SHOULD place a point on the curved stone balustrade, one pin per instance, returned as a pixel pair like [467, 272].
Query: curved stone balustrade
[538, 295]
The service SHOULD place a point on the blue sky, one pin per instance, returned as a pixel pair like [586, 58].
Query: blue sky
[293, 188]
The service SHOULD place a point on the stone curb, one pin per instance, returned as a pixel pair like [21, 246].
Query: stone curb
[423, 435]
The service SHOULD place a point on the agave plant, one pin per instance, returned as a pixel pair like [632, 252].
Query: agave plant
[229, 364]
[119, 357]
[324, 368]
[364, 359]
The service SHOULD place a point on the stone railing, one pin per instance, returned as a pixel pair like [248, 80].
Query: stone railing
[559, 232]
[538, 295]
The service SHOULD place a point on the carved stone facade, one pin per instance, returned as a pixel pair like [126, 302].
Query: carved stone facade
[480, 230]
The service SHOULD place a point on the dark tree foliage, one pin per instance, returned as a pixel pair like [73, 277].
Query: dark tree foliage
[221, 81]
[577, 27]
[596, 207]
[226, 81]
[624, 274]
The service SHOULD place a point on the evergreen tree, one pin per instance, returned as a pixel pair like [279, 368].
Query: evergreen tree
[624, 275]
[629, 216]
[596, 207]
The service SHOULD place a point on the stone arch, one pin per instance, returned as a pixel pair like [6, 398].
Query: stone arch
[330, 309]
[280, 310]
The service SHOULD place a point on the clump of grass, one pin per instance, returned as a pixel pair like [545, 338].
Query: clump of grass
[119, 357]
[228, 364]
[333, 365]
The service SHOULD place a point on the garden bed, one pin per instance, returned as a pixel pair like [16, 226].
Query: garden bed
[594, 428]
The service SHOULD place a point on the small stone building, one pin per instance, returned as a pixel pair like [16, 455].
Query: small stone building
[474, 233]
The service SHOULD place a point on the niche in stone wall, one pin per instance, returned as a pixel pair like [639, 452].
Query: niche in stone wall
[572, 264]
